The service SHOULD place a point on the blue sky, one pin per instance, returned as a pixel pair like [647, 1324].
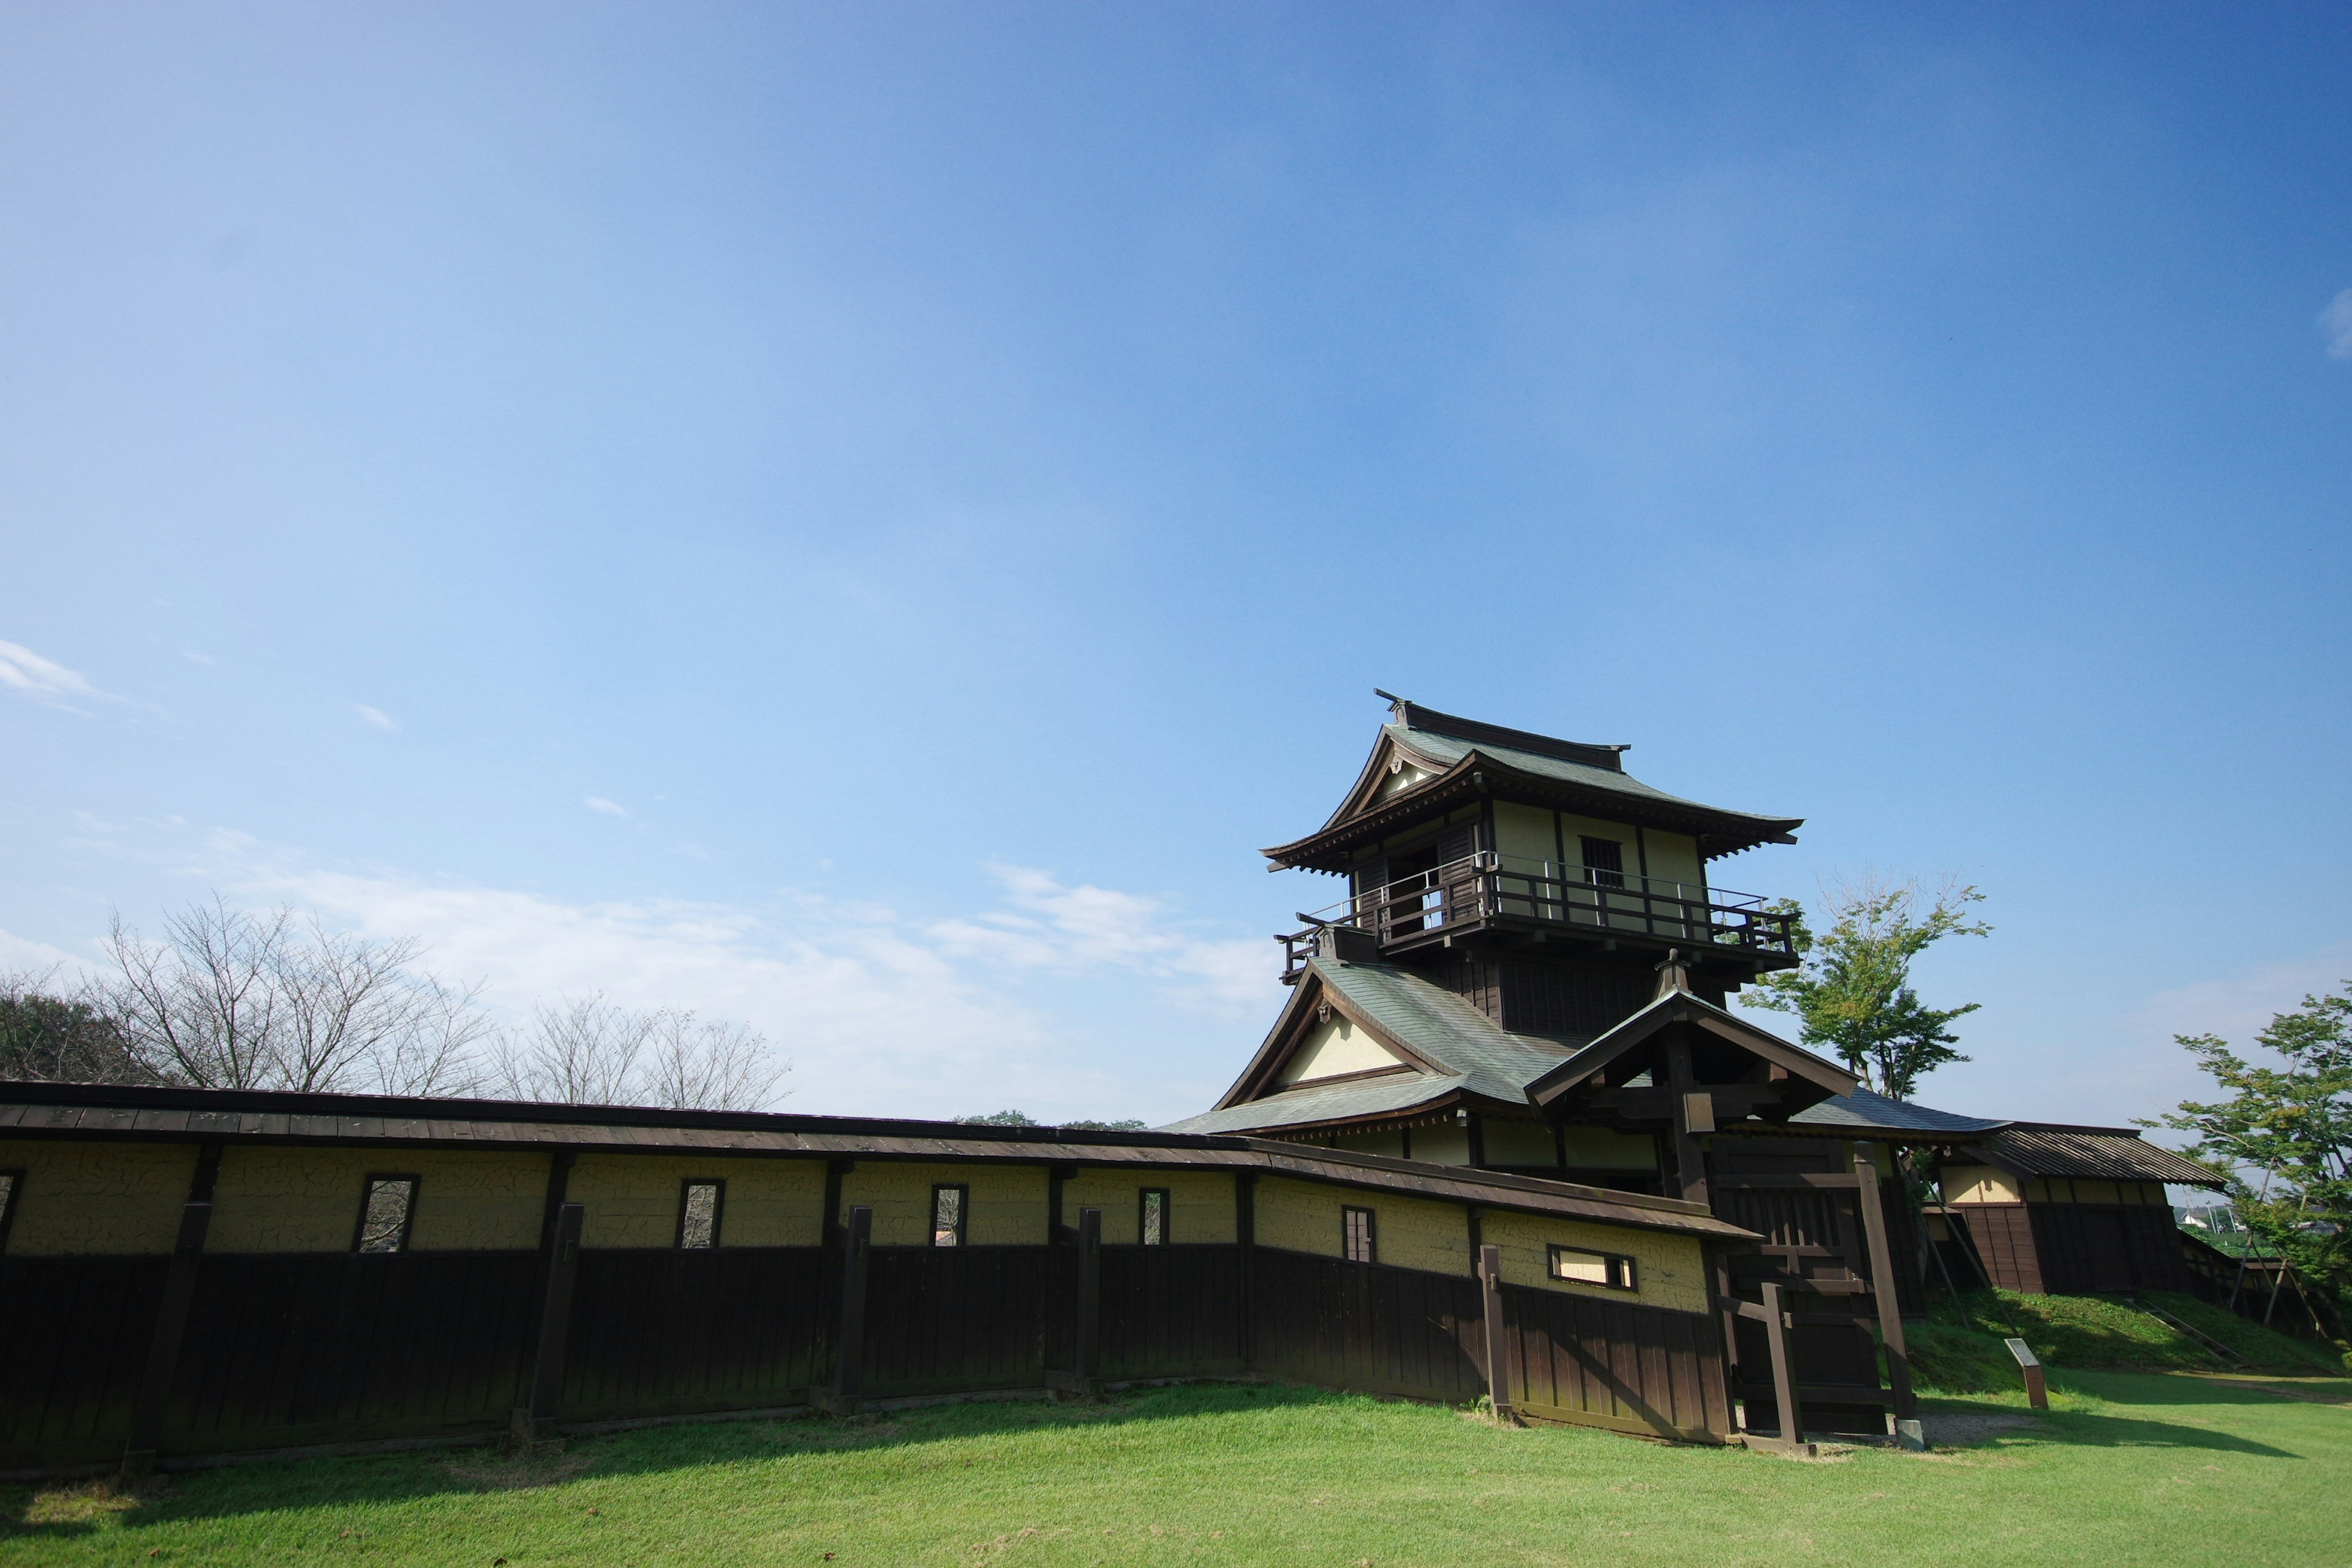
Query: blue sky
[865, 519]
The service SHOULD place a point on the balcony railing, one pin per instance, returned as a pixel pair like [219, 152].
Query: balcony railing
[1486, 887]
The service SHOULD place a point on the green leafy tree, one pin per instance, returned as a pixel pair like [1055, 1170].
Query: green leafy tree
[63, 1038]
[1015, 1119]
[2283, 1138]
[1853, 989]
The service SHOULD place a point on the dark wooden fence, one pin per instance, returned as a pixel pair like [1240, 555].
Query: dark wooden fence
[284, 1350]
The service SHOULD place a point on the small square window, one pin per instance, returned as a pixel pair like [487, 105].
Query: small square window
[1358, 1235]
[1607, 1270]
[1605, 862]
[385, 1210]
[1152, 1225]
[950, 1207]
[699, 1209]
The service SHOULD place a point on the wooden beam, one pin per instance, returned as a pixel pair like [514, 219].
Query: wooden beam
[1882, 1286]
[553, 1341]
[149, 1405]
[849, 1322]
[1784, 1387]
[1497, 1335]
[1690, 1163]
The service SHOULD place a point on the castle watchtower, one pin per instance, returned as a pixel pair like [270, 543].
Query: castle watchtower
[1533, 876]
[1528, 970]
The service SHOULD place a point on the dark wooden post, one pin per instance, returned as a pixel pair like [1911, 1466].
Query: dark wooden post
[1882, 1284]
[850, 1327]
[1690, 1163]
[1499, 1350]
[148, 1406]
[554, 1322]
[1086, 1352]
[1245, 1240]
[521, 1421]
[1784, 1386]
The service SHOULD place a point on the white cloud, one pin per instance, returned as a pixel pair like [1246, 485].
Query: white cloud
[2235, 1007]
[375, 716]
[42, 680]
[2336, 322]
[1051, 925]
[609, 807]
[22, 956]
[1066, 1001]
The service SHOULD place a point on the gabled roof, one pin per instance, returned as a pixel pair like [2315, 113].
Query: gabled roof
[1466, 758]
[1680, 1006]
[1451, 1049]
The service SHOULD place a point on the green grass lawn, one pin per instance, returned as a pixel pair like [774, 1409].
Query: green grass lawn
[2135, 1467]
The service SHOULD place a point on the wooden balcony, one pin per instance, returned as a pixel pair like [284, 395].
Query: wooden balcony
[1491, 893]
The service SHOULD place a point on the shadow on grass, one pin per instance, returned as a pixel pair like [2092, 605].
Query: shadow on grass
[64, 1510]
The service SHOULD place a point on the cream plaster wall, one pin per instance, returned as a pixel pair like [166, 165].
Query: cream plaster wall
[1337, 1047]
[632, 1200]
[1605, 1148]
[284, 1199]
[1388, 1144]
[1410, 1233]
[1979, 1184]
[1445, 1144]
[1199, 1204]
[1669, 1270]
[1511, 1141]
[1009, 1203]
[98, 1197]
[1524, 831]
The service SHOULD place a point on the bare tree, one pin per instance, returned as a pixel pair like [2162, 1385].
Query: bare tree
[709, 1065]
[588, 1051]
[233, 999]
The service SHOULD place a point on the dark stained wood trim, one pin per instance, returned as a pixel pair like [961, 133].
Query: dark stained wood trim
[171, 1330]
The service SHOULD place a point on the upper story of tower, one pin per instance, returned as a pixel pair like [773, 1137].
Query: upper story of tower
[1462, 839]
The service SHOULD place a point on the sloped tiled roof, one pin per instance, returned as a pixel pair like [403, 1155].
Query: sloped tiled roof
[2117, 1155]
[1864, 1112]
[1445, 750]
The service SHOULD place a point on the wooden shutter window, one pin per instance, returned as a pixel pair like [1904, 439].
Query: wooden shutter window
[1605, 862]
[1358, 1235]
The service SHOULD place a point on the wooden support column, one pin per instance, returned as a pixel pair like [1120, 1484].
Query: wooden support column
[1087, 1352]
[1784, 1386]
[1056, 1178]
[1690, 1161]
[835, 1170]
[1245, 1237]
[1498, 1343]
[522, 1421]
[148, 1406]
[554, 1336]
[1882, 1283]
[849, 1323]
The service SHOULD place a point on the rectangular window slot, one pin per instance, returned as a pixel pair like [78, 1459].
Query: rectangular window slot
[1356, 1235]
[1606, 1269]
[1152, 1223]
[699, 1209]
[10, 1181]
[385, 1210]
[951, 1208]
[1605, 862]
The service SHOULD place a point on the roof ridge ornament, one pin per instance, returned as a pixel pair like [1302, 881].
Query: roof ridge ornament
[1674, 976]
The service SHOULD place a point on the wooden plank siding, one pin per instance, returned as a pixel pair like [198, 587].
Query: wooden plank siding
[1368, 1326]
[671, 1331]
[76, 1331]
[1616, 1364]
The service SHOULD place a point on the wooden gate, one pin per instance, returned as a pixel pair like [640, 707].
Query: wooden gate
[1799, 1310]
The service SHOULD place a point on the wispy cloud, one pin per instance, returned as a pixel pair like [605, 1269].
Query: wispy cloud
[609, 807]
[1049, 924]
[42, 680]
[2336, 325]
[374, 717]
